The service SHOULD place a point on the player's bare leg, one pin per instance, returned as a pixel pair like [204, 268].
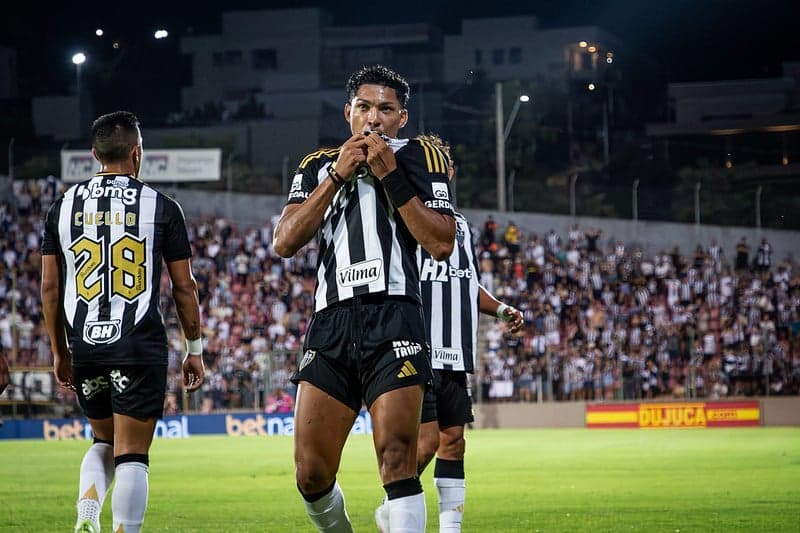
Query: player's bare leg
[427, 444]
[96, 475]
[322, 425]
[448, 477]
[132, 439]
[395, 421]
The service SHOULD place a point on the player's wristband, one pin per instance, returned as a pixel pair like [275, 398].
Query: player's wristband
[501, 310]
[335, 177]
[194, 346]
[397, 187]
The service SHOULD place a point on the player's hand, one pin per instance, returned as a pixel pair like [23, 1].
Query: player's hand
[3, 374]
[353, 153]
[380, 156]
[193, 371]
[513, 317]
[62, 368]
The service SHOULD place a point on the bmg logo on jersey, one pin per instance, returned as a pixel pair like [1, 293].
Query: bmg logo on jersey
[95, 190]
[90, 387]
[102, 332]
[441, 271]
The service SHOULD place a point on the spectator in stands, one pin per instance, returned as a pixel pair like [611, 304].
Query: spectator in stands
[3, 373]
[488, 239]
[733, 301]
[511, 239]
[764, 256]
[742, 254]
[279, 402]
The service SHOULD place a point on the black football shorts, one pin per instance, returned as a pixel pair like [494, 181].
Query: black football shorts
[136, 391]
[449, 400]
[365, 346]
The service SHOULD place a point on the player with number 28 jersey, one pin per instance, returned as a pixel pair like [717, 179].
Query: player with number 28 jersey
[113, 232]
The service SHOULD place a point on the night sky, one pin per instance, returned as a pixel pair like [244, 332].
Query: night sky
[689, 40]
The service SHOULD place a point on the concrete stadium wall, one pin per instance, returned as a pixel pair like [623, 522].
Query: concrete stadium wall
[651, 236]
[777, 411]
[529, 415]
[782, 411]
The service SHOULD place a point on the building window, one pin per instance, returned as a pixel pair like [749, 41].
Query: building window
[478, 56]
[187, 71]
[264, 59]
[515, 56]
[233, 57]
[226, 58]
[498, 56]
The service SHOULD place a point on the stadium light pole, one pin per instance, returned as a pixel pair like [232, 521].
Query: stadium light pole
[78, 59]
[572, 200]
[697, 203]
[502, 129]
[11, 158]
[759, 190]
[635, 200]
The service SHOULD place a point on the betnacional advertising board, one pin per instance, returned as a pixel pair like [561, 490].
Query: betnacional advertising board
[674, 415]
[252, 424]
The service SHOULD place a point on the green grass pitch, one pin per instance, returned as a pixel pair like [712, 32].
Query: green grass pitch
[674, 481]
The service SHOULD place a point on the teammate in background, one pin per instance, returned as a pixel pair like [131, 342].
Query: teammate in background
[3, 373]
[451, 300]
[368, 201]
[103, 245]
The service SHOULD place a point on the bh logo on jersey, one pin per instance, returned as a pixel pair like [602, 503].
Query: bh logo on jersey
[92, 386]
[440, 271]
[102, 332]
[119, 381]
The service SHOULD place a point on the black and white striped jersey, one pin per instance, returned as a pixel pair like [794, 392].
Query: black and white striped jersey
[364, 245]
[450, 302]
[111, 233]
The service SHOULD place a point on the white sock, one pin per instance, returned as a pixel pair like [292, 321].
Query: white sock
[452, 493]
[407, 514]
[328, 513]
[129, 499]
[97, 472]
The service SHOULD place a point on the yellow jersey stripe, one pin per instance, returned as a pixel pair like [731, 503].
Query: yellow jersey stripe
[319, 153]
[427, 155]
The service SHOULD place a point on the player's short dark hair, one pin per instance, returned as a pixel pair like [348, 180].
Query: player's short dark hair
[379, 75]
[439, 143]
[114, 134]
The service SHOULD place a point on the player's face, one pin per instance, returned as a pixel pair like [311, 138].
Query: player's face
[375, 108]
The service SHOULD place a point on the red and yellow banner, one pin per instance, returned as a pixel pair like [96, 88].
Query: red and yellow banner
[673, 415]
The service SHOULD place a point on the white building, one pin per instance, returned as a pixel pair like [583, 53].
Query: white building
[515, 48]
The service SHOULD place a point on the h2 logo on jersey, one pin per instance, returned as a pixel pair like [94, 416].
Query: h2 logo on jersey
[102, 331]
[440, 271]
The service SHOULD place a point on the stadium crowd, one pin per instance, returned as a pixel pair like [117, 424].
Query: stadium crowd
[603, 320]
